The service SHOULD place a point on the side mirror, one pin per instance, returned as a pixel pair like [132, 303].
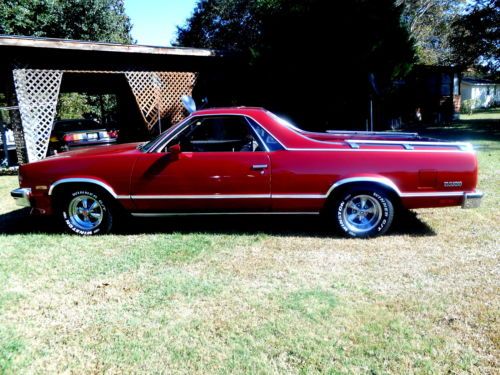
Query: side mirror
[175, 149]
[188, 103]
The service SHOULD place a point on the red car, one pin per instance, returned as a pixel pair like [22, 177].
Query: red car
[250, 161]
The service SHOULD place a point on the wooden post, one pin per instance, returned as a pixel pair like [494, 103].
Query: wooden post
[5, 162]
[15, 119]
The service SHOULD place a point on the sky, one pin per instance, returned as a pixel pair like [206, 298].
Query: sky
[154, 21]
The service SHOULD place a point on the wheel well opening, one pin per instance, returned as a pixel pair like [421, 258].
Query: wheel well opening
[61, 190]
[369, 185]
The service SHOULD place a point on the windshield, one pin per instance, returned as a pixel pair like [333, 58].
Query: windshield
[148, 145]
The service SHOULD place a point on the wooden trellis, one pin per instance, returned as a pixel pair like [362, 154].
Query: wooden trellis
[157, 95]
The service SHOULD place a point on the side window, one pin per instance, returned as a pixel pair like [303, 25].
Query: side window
[271, 142]
[217, 134]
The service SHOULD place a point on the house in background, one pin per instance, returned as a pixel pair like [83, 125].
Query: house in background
[437, 94]
[430, 94]
[479, 93]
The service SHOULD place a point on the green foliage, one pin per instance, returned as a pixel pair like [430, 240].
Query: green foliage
[95, 20]
[468, 106]
[455, 32]
[429, 23]
[4, 115]
[74, 105]
[476, 37]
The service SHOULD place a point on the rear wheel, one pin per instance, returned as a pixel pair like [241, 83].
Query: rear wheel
[363, 213]
[86, 212]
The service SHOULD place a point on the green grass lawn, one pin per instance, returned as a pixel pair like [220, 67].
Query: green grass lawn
[257, 295]
[489, 114]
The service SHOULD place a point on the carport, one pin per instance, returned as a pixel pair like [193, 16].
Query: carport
[148, 81]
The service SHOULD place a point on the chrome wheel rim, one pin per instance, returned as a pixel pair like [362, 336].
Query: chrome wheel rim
[85, 212]
[362, 213]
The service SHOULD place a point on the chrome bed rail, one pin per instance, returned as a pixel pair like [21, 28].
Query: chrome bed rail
[363, 133]
[409, 145]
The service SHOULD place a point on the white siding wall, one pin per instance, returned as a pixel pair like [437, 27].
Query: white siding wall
[484, 95]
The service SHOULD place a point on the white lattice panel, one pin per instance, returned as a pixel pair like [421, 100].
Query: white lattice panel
[37, 93]
[158, 94]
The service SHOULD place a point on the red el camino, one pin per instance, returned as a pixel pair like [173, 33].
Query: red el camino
[250, 161]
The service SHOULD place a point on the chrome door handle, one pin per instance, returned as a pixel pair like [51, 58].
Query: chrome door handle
[257, 167]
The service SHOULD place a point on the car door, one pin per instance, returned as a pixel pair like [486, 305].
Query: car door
[221, 167]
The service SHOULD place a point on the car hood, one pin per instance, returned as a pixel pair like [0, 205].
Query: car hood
[96, 151]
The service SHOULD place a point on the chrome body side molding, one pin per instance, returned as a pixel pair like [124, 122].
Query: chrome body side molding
[201, 196]
[433, 194]
[293, 196]
[229, 196]
[298, 196]
[169, 214]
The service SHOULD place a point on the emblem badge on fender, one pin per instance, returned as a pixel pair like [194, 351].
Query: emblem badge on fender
[452, 183]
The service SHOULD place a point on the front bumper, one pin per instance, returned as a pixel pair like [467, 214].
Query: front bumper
[22, 196]
[472, 200]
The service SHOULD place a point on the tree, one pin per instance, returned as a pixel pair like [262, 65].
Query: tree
[461, 33]
[72, 106]
[476, 38]
[95, 20]
[429, 23]
[306, 58]
[232, 25]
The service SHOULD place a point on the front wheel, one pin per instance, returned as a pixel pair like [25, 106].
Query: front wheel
[363, 213]
[86, 212]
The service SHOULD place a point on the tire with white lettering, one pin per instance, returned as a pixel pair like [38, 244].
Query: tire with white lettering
[361, 213]
[86, 212]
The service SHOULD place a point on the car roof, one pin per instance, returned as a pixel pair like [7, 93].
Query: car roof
[229, 110]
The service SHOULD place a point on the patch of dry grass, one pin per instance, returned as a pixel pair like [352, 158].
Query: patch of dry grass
[255, 297]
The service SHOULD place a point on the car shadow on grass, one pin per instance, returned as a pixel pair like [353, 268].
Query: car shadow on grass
[406, 223]
[21, 222]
